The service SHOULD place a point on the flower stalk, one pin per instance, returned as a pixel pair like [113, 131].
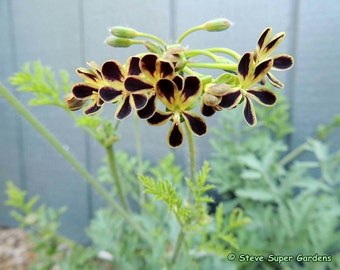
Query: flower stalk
[72, 161]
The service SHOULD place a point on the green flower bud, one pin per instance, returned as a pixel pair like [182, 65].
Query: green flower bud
[123, 32]
[217, 25]
[118, 42]
[153, 47]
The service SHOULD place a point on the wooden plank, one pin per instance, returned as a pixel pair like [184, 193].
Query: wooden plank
[49, 31]
[316, 89]
[10, 159]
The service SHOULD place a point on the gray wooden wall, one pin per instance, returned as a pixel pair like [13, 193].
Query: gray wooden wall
[65, 34]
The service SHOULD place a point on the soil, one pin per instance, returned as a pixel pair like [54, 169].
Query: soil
[15, 251]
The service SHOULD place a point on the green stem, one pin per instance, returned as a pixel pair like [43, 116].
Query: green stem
[189, 31]
[231, 67]
[179, 243]
[230, 52]
[194, 53]
[153, 37]
[293, 154]
[73, 162]
[139, 156]
[192, 153]
[114, 174]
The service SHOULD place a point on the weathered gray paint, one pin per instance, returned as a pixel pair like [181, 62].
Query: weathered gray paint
[65, 34]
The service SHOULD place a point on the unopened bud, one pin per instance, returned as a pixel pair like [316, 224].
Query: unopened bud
[123, 32]
[217, 89]
[211, 100]
[217, 25]
[73, 103]
[153, 47]
[118, 42]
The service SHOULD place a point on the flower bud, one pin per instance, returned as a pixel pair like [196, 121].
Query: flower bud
[123, 32]
[118, 42]
[153, 47]
[217, 25]
[73, 103]
[211, 100]
[217, 89]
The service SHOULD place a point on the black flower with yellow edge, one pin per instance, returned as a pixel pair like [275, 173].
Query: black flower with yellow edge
[178, 96]
[87, 90]
[115, 75]
[265, 46]
[153, 69]
[249, 74]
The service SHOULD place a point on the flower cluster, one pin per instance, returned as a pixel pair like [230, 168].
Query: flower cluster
[162, 85]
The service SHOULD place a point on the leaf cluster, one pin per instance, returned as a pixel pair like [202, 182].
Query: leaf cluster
[292, 199]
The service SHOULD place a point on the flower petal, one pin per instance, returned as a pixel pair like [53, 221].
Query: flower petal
[264, 37]
[196, 123]
[87, 74]
[179, 81]
[274, 43]
[166, 90]
[230, 99]
[244, 65]
[249, 112]
[113, 71]
[74, 103]
[136, 83]
[149, 109]
[283, 61]
[92, 109]
[159, 118]
[261, 70]
[207, 110]
[191, 91]
[124, 109]
[175, 135]
[263, 96]
[109, 94]
[148, 65]
[133, 66]
[139, 100]
[165, 69]
[83, 91]
[274, 81]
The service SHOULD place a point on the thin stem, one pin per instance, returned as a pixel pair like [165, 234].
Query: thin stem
[192, 153]
[139, 156]
[194, 53]
[73, 162]
[192, 156]
[231, 67]
[163, 43]
[191, 30]
[114, 174]
[230, 52]
[293, 154]
[179, 242]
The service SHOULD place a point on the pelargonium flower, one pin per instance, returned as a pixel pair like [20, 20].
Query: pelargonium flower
[115, 75]
[87, 90]
[212, 97]
[265, 46]
[153, 69]
[178, 95]
[249, 74]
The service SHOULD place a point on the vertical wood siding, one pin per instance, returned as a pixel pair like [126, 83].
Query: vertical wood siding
[65, 34]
